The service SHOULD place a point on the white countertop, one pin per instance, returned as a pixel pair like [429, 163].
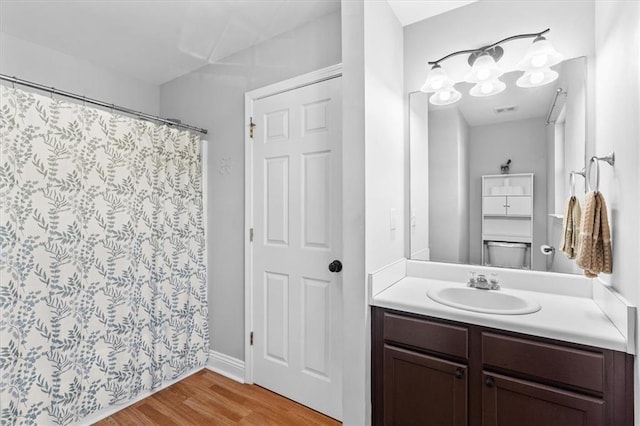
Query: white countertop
[568, 318]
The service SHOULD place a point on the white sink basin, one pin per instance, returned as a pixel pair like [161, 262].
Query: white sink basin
[486, 301]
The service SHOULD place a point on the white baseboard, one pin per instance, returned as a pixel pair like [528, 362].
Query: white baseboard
[220, 363]
[108, 411]
[226, 365]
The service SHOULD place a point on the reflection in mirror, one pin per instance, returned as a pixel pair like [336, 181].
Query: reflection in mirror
[490, 175]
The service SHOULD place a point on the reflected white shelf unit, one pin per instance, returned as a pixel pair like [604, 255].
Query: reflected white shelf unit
[507, 211]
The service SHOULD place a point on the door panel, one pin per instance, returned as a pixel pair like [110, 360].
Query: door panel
[315, 116]
[276, 189]
[276, 314]
[276, 126]
[316, 299]
[297, 220]
[316, 203]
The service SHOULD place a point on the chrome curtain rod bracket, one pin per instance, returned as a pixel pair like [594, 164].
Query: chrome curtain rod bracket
[553, 105]
[52, 90]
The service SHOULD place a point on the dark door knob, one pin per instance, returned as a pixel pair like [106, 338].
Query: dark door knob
[459, 373]
[335, 266]
[489, 382]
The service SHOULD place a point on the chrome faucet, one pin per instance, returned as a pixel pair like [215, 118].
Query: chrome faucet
[481, 282]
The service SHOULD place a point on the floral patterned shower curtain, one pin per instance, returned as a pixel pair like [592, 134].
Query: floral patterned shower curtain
[102, 273]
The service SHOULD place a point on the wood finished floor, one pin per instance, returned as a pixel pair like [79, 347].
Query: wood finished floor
[207, 398]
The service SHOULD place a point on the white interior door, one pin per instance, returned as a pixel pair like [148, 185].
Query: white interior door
[297, 221]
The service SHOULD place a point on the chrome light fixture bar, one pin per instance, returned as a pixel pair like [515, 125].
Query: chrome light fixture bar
[485, 72]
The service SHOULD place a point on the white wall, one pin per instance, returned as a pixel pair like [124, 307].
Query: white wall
[463, 187]
[384, 115]
[46, 66]
[566, 153]
[573, 80]
[355, 373]
[448, 186]
[617, 129]
[213, 97]
[384, 149]
[373, 155]
[524, 142]
[419, 176]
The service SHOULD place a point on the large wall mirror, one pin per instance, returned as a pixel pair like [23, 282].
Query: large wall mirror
[490, 176]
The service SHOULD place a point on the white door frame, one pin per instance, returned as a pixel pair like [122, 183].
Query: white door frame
[249, 98]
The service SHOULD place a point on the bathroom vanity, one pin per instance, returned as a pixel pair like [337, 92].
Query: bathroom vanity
[432, 364]
[430, 371]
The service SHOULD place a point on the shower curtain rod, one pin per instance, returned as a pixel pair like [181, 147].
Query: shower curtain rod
[138, 114]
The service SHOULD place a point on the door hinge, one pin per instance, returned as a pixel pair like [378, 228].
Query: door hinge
[251, 338]
[250, 234]
[251, 126]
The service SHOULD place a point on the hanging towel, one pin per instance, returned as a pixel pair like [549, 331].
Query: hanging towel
[571, 228]
[594, 248]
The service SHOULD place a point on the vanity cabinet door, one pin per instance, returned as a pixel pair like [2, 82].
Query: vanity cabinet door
[496, 206]
[423, 390]
[519, 206]
[509, 206]
[507, 401]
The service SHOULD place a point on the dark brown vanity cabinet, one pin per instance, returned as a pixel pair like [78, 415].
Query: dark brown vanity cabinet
[427, 371]
[510, 401]
[421, 389]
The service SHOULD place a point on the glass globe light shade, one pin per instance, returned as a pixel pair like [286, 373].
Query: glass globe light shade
[445, 97]
[537, 78]
[484, 68]
[541, 54]
[488, 88]
[437, 79]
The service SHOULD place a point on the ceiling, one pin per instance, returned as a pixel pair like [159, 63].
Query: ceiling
[411, 11]
[155, 41]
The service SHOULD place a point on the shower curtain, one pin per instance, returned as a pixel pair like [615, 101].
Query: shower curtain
[102, 262]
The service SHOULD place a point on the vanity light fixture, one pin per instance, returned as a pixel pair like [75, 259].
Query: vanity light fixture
[485, 70]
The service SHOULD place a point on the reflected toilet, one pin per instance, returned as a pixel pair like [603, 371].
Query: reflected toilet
[506, 255]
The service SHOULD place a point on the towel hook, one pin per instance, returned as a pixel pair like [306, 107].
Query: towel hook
[595, 160]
